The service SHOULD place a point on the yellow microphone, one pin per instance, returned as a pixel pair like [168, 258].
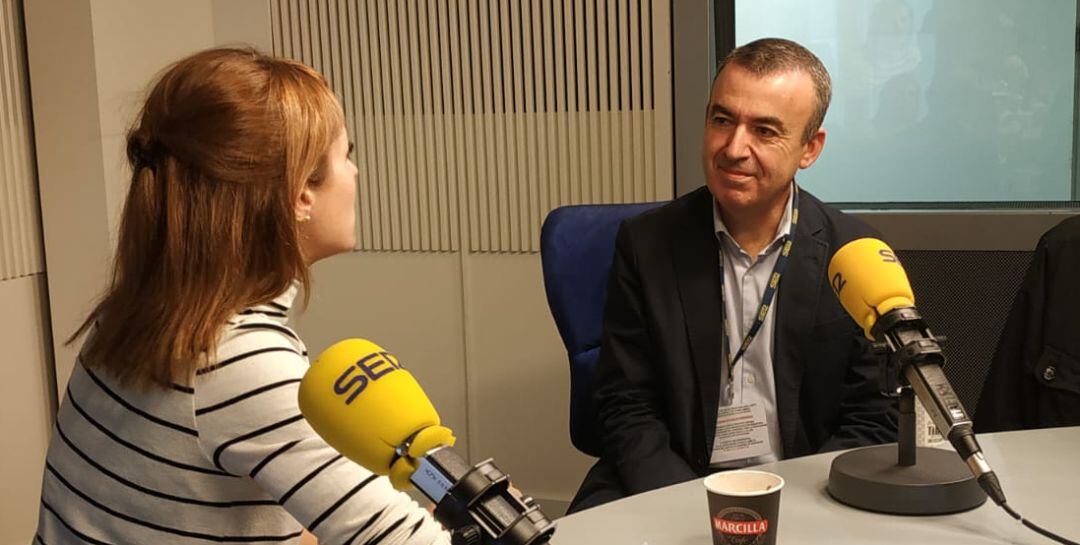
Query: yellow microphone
[873, 288]
[367, 406]
[360, 399]
[868, 279]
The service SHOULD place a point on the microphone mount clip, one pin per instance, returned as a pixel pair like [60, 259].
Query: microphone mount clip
[915, 345]
[477, 502]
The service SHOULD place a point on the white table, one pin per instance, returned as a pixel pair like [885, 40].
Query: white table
[1039, 471]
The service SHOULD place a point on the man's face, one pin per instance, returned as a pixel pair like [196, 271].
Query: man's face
[754, 137]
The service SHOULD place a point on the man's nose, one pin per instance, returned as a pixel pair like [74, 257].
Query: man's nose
[738, 144]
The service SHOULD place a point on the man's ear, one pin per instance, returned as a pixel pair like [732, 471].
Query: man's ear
[305, 204]
[813, 149]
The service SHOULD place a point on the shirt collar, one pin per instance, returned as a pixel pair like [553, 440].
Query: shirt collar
[782, 229]
[277, 309]
[289, 295]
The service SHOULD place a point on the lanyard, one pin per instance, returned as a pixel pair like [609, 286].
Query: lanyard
[766, 298]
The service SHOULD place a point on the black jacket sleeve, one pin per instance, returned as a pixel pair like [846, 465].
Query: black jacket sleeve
[866, 416]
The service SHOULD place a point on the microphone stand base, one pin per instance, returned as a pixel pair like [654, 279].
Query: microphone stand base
[870, 478]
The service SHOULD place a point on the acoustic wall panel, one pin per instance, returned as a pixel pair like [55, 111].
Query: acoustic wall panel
[474, 118]
[966, 296]
[20, 219]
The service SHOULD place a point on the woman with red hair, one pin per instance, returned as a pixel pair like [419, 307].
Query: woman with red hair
[180, 422]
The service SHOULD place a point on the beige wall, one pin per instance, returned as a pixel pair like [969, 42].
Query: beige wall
[519, 379]
[26, 404]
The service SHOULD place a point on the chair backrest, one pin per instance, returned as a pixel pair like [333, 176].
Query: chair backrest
[577, 244]
[966, 295]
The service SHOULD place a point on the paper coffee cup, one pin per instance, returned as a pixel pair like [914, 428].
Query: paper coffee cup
[744, 507]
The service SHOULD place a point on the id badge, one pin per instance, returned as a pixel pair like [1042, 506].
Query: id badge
[742, 431]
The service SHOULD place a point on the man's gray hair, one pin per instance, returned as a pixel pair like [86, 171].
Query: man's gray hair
[769, 56]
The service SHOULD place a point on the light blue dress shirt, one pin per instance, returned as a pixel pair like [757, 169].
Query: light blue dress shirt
[745, 280]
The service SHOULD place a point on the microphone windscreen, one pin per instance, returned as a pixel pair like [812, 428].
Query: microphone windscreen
[360, 400]
[868, 279]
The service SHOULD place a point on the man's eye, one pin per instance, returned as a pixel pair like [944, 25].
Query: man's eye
[766, 132]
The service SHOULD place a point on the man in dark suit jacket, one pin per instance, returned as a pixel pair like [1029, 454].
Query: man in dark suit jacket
[1034, 380]
[663, 373]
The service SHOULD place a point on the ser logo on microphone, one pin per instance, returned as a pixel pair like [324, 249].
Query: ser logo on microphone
[356, 377]
[838, 283]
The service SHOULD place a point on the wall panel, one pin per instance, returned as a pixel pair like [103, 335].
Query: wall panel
[474, 119]
[27, 403]
[20, 219]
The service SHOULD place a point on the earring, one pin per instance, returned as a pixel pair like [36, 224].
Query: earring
[304, 219]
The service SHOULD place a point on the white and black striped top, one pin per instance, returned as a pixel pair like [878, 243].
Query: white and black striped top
[229, 460]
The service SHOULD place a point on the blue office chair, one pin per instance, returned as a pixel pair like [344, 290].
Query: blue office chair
[577, 244]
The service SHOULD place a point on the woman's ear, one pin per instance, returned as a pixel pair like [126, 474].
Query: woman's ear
[305, 204]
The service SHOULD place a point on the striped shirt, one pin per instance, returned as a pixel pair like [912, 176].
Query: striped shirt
[229, 459]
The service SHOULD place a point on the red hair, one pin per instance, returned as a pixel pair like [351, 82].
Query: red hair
[222, 149]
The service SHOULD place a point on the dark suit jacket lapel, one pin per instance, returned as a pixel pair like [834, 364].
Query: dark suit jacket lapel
[697, 268]
[797, 299]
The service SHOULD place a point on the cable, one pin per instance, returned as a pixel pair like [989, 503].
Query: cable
[989, 483]
[1033, 526]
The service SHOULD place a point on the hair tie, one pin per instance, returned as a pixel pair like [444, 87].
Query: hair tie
[143, 155]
